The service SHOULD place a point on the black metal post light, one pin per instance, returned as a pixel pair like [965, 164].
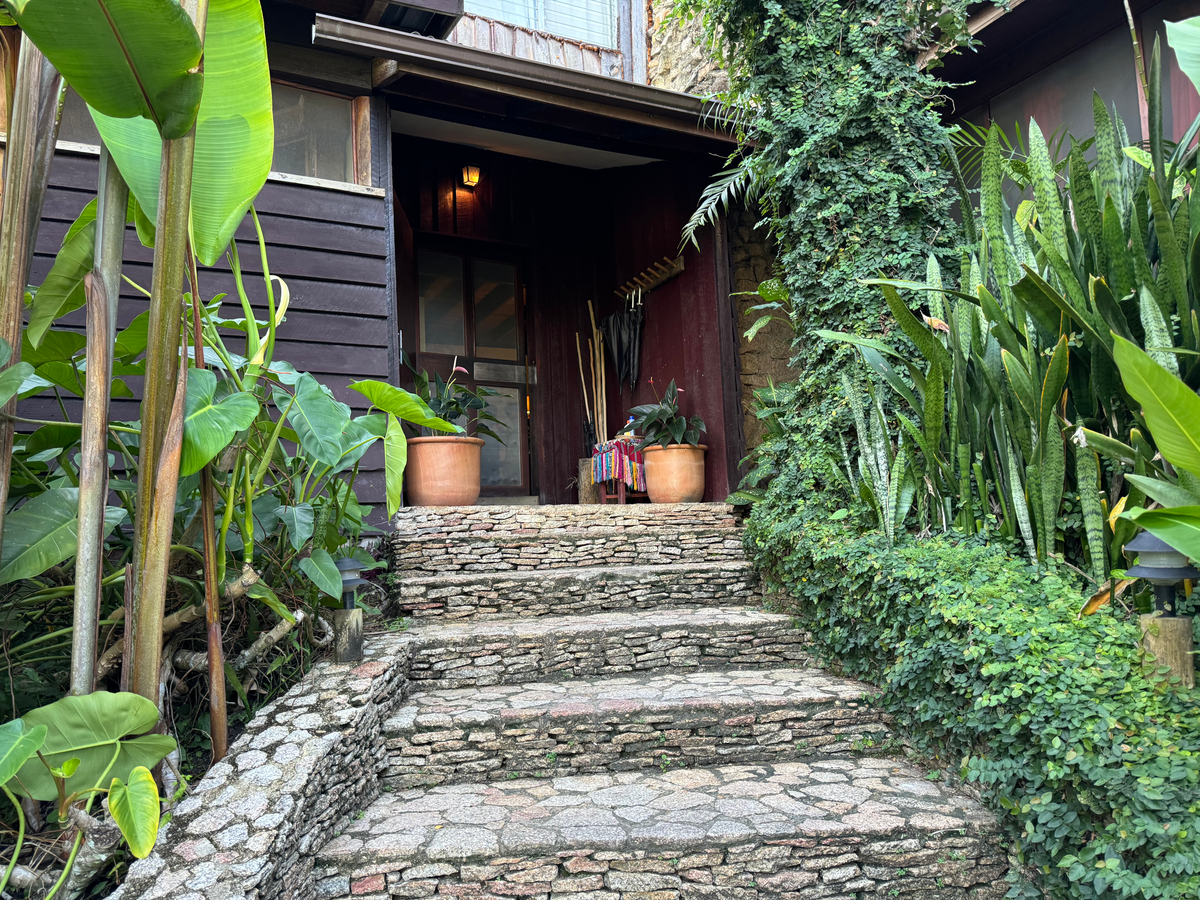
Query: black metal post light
[1163, 566]
[348, 621]
[1166, 636]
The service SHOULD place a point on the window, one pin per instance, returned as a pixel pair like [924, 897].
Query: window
[314, 134]
[587, 21]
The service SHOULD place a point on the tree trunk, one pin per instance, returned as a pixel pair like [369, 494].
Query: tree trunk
[103, 291]
[33, 131]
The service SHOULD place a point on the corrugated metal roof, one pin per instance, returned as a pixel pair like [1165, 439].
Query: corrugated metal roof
[483, 33]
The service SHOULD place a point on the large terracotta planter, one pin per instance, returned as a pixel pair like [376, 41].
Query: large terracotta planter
[443, 471]
[675, 473]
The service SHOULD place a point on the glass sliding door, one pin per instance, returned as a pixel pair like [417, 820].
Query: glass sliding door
[471, 310]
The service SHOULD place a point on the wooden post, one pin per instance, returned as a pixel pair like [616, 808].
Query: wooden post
[1168, 639]
[347, 635]
[360, 110]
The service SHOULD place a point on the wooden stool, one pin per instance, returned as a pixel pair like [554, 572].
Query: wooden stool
[622, 494]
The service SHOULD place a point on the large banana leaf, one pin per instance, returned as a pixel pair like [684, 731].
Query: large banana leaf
[209, 425]
[125, 58]
[1178, 526]
[1184, 38]
[1164, 492]
[62, 291]
[44, 532]
[235, 132]
[1172, 409]
[95, 730]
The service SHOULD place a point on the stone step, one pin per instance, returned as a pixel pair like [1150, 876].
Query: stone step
[559, 592]
[492, 650]
[825, 829]
[657, 720]
[426, 522]
[493, 551]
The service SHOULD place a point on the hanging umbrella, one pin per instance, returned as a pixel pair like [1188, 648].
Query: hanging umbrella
[636, 320]
[614, 336]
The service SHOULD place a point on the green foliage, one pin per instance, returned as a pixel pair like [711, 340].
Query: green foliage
[1092, 761]
[234, 130]
[842, 150]
[127, 58]
[449, 400]
[104, 732]
[136, 809]
[662, 423]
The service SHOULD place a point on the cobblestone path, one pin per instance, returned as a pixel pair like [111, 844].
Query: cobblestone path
[599, 709]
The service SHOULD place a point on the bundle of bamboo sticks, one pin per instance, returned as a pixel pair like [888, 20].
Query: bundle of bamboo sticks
[597, 408]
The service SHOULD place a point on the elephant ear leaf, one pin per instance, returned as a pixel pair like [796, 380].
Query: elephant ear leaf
[17, 745]
[323, 572]
[44, 532]
[209, 425]
[1172, 409]
[125, 58]
[136, 808]
[96, 729]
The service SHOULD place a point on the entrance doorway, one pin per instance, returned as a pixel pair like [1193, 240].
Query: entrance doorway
[471, 308]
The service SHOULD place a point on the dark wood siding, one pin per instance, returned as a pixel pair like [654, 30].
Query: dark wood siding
[330, 246]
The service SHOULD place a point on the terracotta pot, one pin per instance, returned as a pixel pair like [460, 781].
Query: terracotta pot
[443, 471]
[675, 473]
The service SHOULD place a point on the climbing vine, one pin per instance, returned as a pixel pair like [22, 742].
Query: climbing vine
[842, 148]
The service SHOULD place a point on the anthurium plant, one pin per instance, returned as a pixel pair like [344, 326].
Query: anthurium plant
[452, 400]
[662, 423]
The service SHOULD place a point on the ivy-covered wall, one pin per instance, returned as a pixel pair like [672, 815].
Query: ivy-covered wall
[846, 153]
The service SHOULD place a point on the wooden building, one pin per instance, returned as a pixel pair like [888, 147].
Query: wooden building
[458, 187]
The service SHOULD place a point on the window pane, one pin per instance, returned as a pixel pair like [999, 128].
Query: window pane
[588, 21]
[441, 299]
[500, 466]
[495, 310]
[77, 125]
[313, 134]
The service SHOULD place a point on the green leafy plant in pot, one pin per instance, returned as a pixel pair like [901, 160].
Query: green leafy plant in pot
[671, 444]
[443, 469]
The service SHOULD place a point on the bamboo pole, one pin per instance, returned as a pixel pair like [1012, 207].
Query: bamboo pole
[579, 352]
[34, 117]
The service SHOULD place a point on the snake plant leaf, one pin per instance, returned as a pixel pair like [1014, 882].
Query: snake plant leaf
[1087, 211]
[129, 59]
[395, 460]
[136, 808]
[1053, 384]
[1178, 526]
[1164, 492]
[878, 364]
[1040, 302]
[235, 131]
[858, 341]
[402, 404]
[1108, 307]
[17, 744]
[62, 290]
[209, 425]
[1045, 190]
[918, 333]
[991, 201]
[1157, 334]
[1108, 184]
[321, 571]
[1052, 473]
[96, 728]
[1021, 383]
[1172, 409]
[44, 533]
[1116, 247]
[1087, 479]
[1001, 329]
[1172, 263]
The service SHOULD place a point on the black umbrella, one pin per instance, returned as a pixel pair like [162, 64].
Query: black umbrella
[636, 318]
[623, 332]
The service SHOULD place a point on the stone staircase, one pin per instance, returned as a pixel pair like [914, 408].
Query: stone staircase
[598, 708]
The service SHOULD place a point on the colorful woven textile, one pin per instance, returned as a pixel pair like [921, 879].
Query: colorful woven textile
[619, 460]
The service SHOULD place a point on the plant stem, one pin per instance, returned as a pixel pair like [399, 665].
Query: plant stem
[20, 837]
[103, 286]
[162, 407]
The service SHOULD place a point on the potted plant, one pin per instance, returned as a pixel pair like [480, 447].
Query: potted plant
[443, 469]
[673, 452]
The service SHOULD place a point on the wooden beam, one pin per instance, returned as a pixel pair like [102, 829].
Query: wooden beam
[384, 72]
[361, 112]
[373, 11]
